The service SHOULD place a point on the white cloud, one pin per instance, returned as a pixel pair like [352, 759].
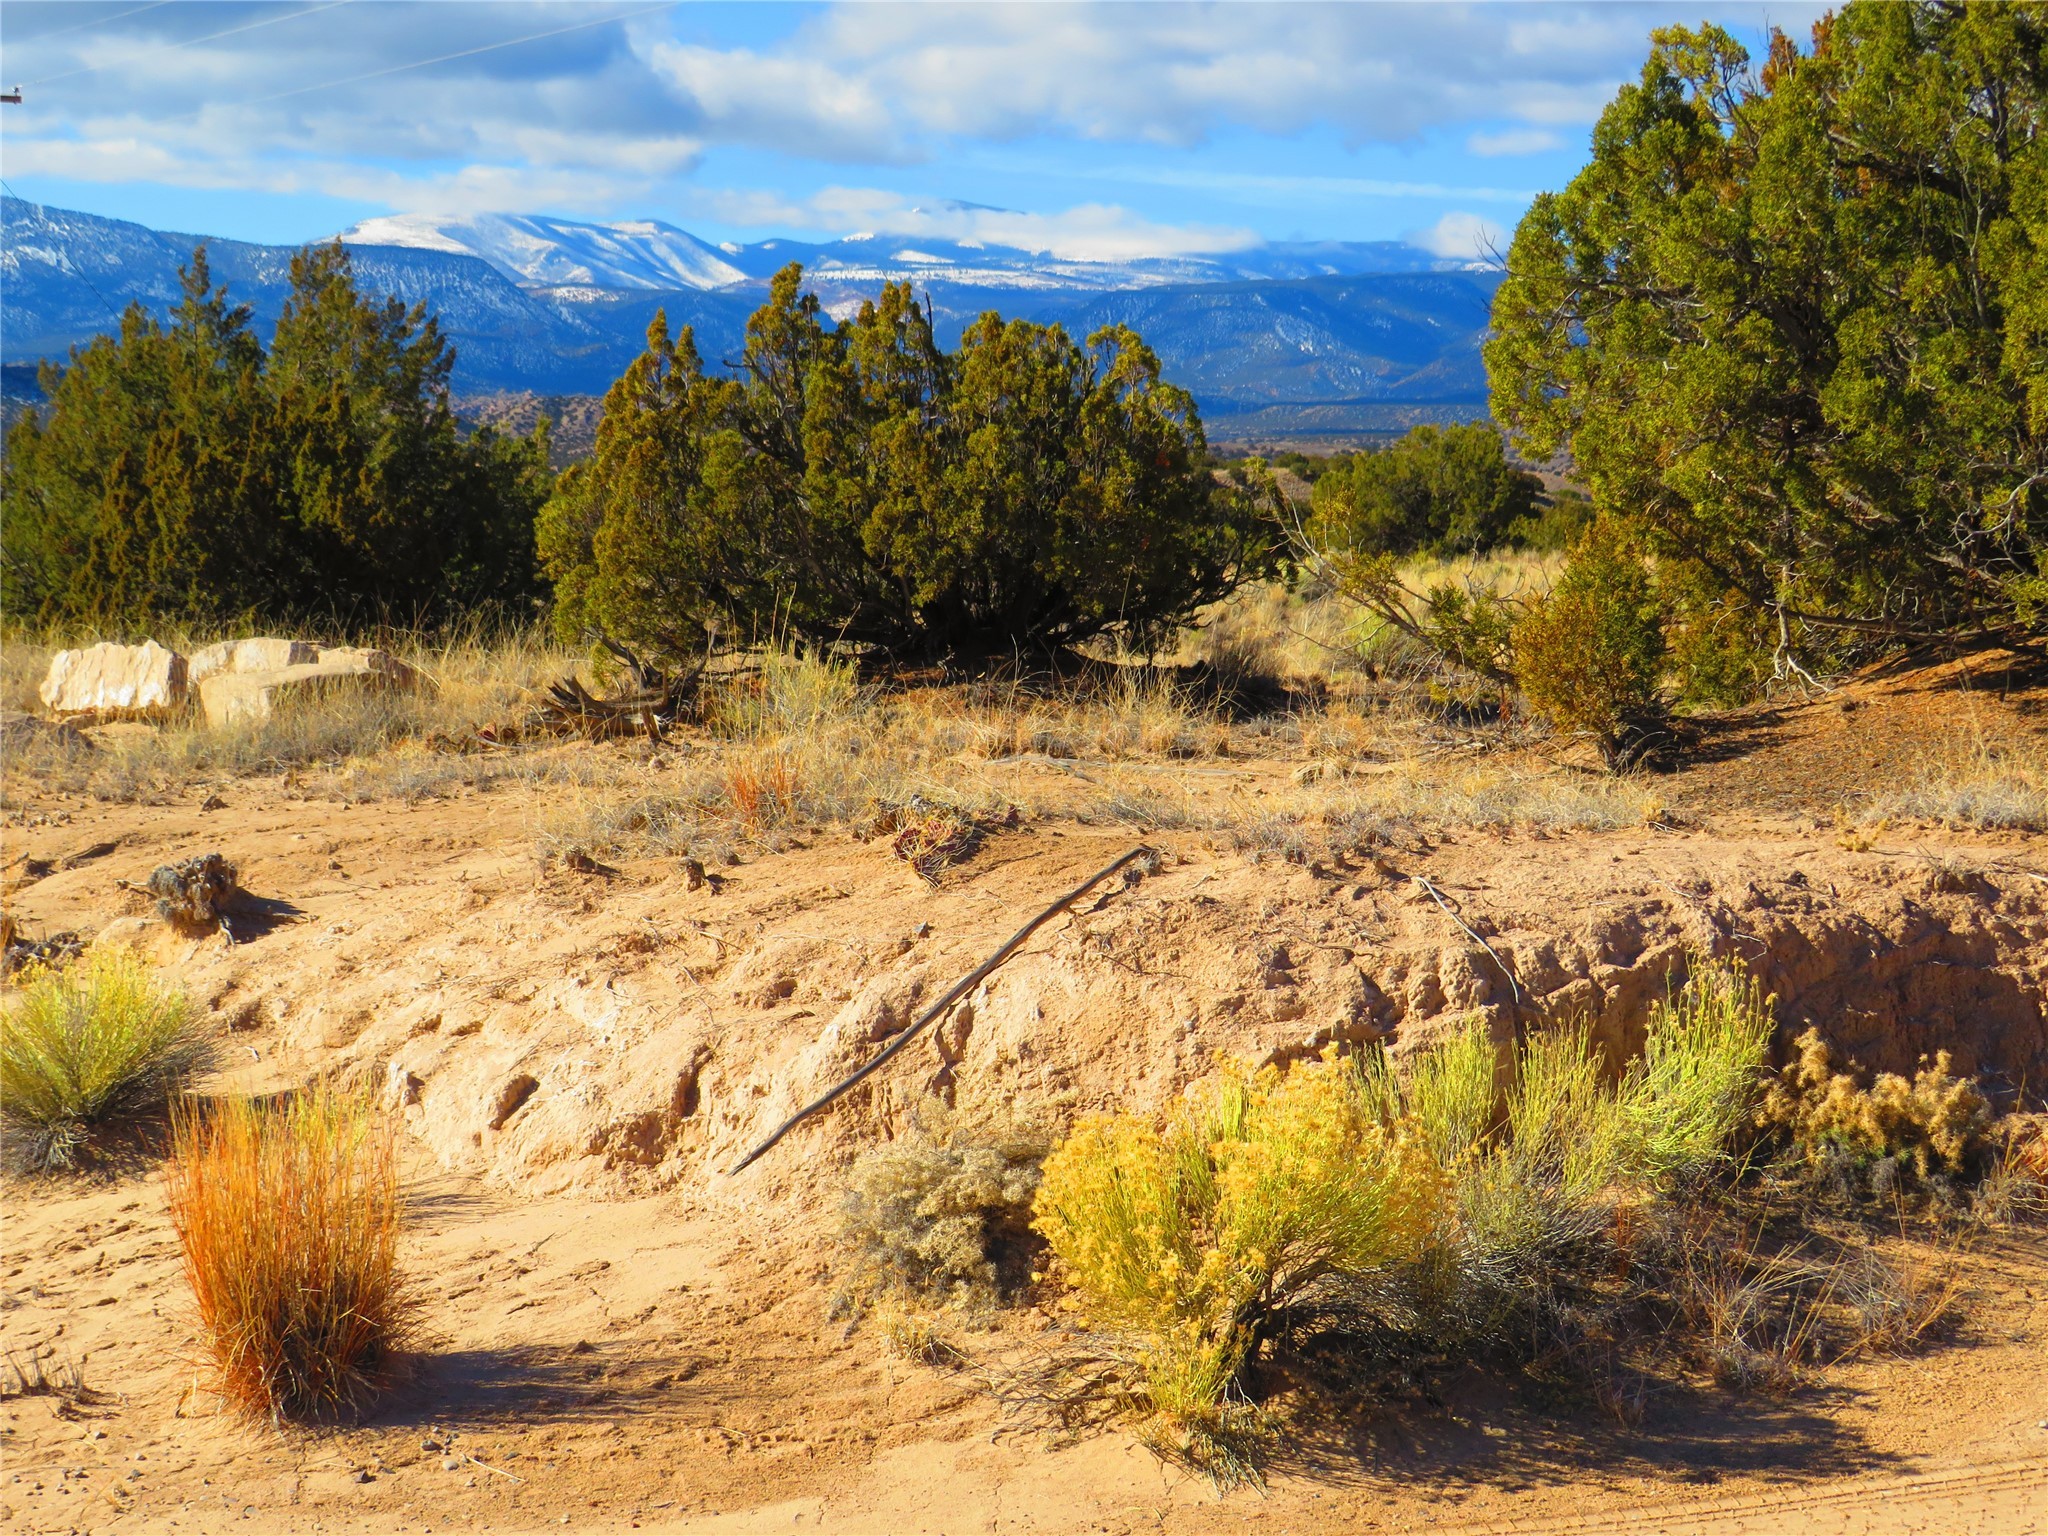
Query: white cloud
[465, 190]
[1463, 237]
[1176, 73]
[796, 104]
[329, 100]
[1086, 232]
[1514, 141]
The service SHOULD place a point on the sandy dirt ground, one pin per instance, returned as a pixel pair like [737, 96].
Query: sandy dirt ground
[623, 1338]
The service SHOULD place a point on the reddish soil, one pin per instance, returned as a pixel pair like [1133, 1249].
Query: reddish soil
[1882, 729]
[623, 1337]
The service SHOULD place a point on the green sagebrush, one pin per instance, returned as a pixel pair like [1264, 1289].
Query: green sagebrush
[87, 1046]
[1439, 1189]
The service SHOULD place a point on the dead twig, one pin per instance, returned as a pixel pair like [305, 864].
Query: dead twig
[953, 995]
[1437, 896]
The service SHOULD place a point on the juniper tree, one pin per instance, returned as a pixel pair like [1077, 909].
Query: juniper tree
[1795, 320]
[181, 471]
[1436, 490]
[859, 482]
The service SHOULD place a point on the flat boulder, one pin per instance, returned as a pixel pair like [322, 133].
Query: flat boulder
[264, 654]
[116, 682]
[247, 698]
[370, 659]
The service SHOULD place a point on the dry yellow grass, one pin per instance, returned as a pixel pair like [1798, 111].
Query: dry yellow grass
[288, 1218]
[367, 745]
[1977, 787]
[791, 739]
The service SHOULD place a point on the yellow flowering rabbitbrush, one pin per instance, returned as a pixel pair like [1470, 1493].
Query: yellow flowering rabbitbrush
[1199, 1233]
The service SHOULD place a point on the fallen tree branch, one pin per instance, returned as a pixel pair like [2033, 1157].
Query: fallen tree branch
[1437, 896]
[953, 995]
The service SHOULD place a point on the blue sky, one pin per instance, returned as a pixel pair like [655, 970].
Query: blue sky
[1092, 130]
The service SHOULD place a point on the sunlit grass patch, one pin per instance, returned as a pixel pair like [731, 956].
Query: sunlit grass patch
[288, 1217]
[472, 679]
[1990, 790]
[87, 1047]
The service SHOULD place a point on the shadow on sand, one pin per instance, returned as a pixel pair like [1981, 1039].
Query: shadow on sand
[1484, 1441]
[520, 1385]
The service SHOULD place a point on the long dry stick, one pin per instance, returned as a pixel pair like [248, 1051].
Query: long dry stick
[1437, 896]
[953, 995]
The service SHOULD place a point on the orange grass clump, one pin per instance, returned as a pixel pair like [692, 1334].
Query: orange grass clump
[763, 790]
[288, 1215]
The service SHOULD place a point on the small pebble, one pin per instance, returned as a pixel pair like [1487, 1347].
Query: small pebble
[451, 1464]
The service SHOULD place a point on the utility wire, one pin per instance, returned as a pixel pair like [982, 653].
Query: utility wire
[79, 274]
[190, 42]
[98, 21]
[466, 53]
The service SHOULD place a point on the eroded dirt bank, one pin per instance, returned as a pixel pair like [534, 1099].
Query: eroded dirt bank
[624, 1336]
[617, 1030]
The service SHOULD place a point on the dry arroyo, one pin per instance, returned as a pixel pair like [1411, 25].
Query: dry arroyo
[623, 1336]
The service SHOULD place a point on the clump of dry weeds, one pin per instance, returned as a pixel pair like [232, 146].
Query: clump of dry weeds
[928, 835]
[288, 1216]
[946, 1216]
[765, 790]
[1980, 788]
[1936, 1121]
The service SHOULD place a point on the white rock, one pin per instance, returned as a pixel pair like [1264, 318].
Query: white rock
[264, 654]
[239, 698]
[110, 681]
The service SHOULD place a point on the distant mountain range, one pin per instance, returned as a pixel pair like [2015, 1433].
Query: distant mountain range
[556, 253]
[1295, 340]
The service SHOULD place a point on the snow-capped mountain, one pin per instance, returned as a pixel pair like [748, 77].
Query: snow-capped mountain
[1318, 338]
[562, 253]
[868, 259]
[574, 257]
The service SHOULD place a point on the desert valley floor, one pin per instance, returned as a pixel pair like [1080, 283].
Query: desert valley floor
[624, 1337]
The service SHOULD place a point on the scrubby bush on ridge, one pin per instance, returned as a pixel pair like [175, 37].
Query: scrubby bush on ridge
[1435, 490]
[858, 483]
[1589, 654]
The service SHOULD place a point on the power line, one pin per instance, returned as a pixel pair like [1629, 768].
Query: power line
[190, 42]
[466, 53]
[98, 21]
[79, 274]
